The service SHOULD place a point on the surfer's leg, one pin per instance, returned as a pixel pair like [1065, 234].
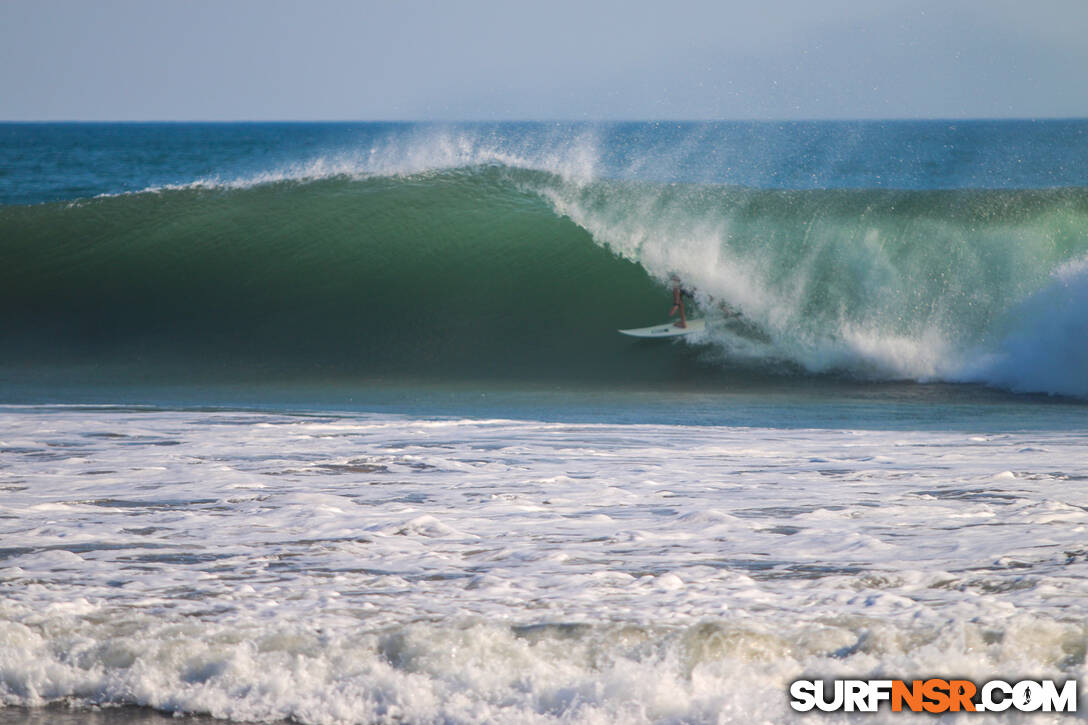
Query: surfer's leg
[677, 302]
[683, 318]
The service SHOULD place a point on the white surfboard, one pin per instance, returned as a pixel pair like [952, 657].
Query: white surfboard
[667, 329]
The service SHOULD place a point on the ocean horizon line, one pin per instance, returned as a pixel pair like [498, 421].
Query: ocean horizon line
[595, 121]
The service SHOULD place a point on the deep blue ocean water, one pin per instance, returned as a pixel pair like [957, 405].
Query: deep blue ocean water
[63, 161]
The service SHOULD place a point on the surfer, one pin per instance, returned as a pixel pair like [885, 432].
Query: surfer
[679, 292]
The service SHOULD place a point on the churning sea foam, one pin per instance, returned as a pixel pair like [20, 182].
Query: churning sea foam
[1045, 349]
[349, 568]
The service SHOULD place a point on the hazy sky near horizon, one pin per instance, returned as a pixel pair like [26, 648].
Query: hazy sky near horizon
[562, 59]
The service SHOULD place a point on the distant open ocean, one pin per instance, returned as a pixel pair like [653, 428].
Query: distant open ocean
[330, 423]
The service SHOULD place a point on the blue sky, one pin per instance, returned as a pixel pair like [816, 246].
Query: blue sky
[562, 59]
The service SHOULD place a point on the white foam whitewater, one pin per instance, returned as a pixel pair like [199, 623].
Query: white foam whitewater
[379, 568]
[1044, 348]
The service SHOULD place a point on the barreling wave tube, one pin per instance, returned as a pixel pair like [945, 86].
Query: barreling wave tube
[500, 270]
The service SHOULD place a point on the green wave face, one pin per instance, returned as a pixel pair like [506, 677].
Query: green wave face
[450, 275]
[504, 272]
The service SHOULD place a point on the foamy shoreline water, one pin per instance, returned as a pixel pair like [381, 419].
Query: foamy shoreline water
[378, 567]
